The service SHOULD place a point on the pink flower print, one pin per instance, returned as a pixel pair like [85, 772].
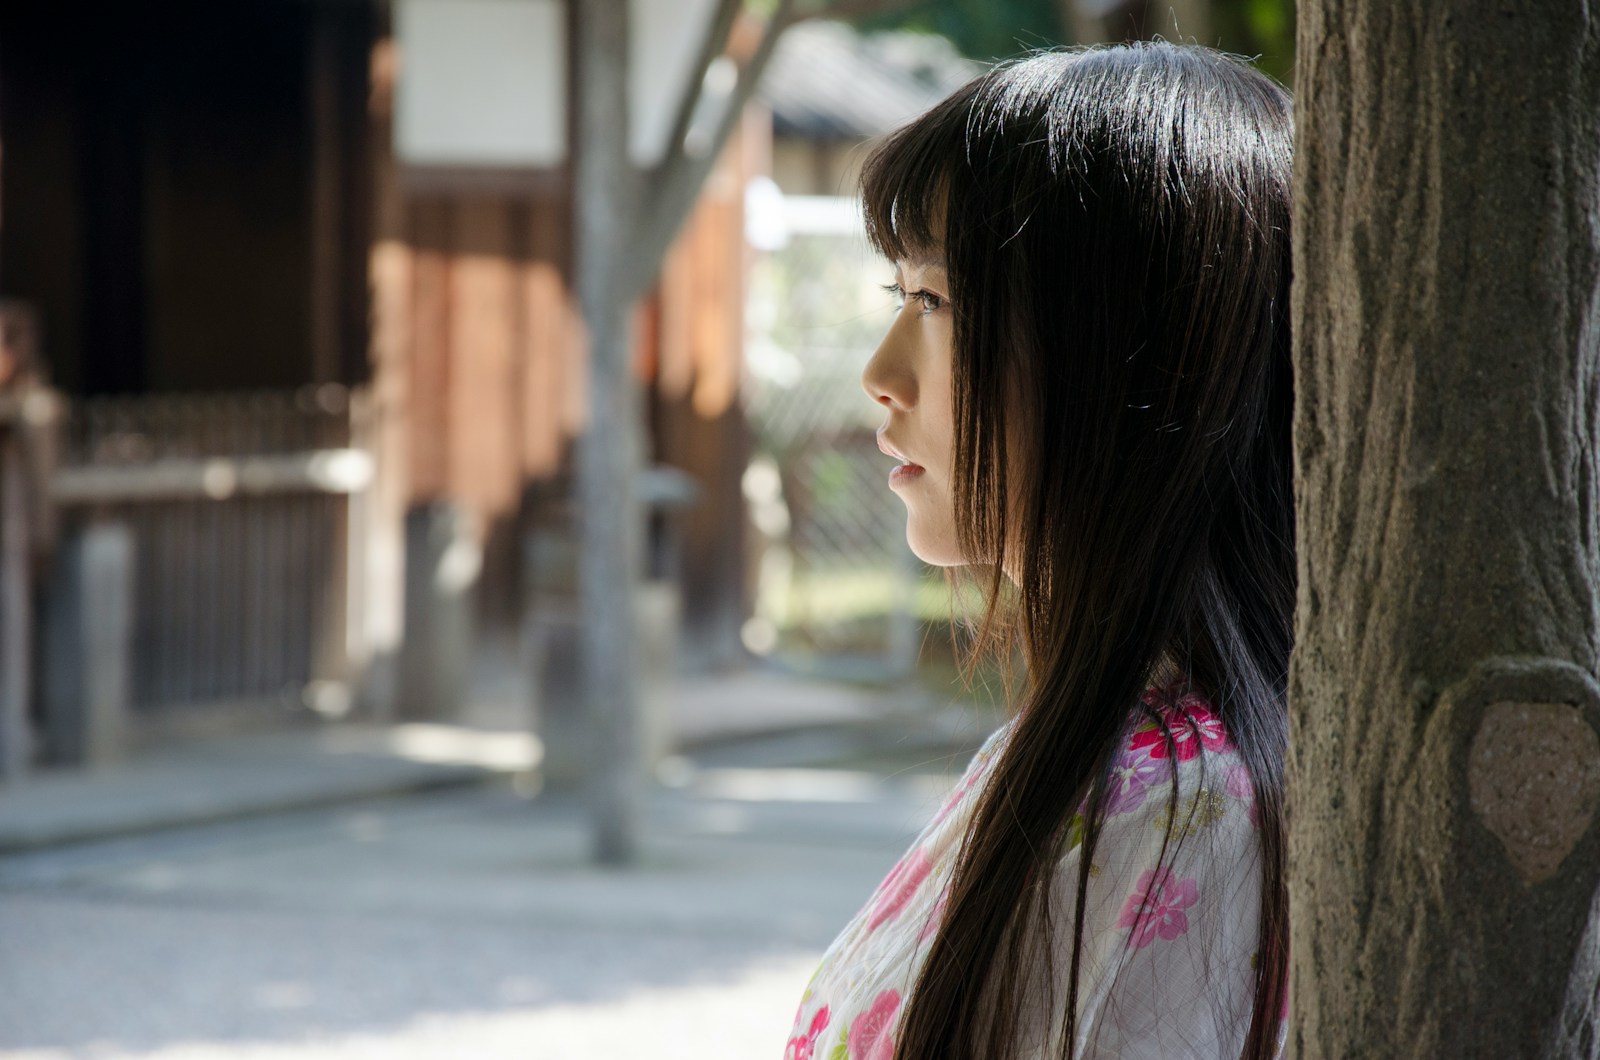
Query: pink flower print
[1205, 722]
[1239, 786]
[872, 1034]
[802, 1046]
[1135, 772]
[898, 887]
[1156, 907]
[1193, 726]
[1150, 740]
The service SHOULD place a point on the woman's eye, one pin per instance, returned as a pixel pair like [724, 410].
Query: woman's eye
[929, 300]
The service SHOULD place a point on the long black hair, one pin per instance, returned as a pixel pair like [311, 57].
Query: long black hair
[1115, 227]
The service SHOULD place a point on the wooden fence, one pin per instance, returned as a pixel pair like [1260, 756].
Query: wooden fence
[244, 513]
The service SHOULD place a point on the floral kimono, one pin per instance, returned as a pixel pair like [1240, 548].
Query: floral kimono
[1169, 951]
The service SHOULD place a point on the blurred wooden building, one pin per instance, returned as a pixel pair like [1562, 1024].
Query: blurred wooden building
[299, 272]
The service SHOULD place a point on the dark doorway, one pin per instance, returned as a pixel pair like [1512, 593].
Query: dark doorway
[182, 191]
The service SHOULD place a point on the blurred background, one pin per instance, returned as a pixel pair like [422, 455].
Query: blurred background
[293, 371]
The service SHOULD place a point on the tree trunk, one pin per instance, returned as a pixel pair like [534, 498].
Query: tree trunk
[1445, 766]
[609, 454]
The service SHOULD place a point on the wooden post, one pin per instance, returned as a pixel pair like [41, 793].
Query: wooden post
[16, 594]
[385, 418]
[609, 453]
[88, 664]
[29, 421]
[553, 639]
[443, 558]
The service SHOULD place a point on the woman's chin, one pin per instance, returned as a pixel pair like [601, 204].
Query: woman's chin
[934, 550]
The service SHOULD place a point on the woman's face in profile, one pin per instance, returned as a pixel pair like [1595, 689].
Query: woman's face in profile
[909, 375]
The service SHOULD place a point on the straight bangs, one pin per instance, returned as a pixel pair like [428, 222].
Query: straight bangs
[905, 182]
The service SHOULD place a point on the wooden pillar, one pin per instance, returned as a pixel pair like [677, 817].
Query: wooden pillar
[88, 658]
[16, 618]
[443, 557]
[609, 453]
[384, 417]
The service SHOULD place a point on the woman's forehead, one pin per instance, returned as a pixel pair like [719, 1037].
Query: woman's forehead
[922, 260]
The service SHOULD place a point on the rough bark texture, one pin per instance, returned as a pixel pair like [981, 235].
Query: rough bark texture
[1443, 867]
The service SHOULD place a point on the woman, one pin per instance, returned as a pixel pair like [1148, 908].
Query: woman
[1088, 389]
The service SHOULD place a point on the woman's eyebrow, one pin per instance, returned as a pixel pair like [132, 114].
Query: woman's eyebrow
[923, 264]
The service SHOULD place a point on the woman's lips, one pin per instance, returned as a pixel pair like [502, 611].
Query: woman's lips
[904, 473]
[907, 471]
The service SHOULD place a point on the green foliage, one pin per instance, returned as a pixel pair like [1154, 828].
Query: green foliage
[995, 29]
[1261, 29]
[980, 29]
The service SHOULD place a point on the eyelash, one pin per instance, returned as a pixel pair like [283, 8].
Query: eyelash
[930, 301]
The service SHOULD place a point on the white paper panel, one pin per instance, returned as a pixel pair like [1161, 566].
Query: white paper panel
[482, 82]
[665, 42]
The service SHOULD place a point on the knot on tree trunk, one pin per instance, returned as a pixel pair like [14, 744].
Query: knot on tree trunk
[1533, 764]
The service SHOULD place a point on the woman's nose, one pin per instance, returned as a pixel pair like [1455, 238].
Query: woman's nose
[888, 378]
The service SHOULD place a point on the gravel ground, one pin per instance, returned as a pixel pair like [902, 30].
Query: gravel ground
[462, 924]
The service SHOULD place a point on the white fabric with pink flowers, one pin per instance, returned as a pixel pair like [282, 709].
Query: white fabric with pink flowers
[1169, 950]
